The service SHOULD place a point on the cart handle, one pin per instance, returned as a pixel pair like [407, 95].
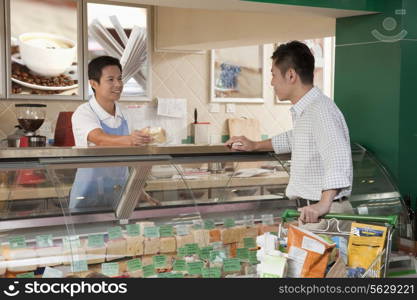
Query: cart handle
[392, 220]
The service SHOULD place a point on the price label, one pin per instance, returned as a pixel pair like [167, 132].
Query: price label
[205, 252]
[44, 241]
[267, 219]
[166, 231]
[229, 222]
[17, 242]
[180, 265]
[151, 232]
[182, 229]
[248, 220]
[96, 241]
[71, 242]
[159, 261]
[182, 252]
[148, 271]
[231, 265]
[110, 269]
[191, 249]
[195, 268]
[26, 275]
[134, 265]
[209, 224]
[133, 229]
[212, 272]
[252, 257]
[79, 266]
[249, 242]
[242, 253]
[115, 233]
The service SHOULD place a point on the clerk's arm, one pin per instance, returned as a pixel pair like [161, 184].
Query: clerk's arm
[100, 138]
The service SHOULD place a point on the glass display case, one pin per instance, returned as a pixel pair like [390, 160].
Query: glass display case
[191, 211]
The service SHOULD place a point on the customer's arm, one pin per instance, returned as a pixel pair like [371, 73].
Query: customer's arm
[280, 143]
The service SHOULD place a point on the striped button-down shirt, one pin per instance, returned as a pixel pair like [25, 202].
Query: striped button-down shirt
[319, 143]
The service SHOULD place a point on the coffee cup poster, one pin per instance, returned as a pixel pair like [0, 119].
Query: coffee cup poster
[44, 47]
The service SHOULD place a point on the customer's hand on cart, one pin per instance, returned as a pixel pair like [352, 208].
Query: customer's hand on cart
[311, 213]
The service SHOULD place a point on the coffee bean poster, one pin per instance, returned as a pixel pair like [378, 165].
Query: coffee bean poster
[44, 48]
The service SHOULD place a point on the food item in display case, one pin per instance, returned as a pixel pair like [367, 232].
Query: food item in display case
[95, 275]
[50, 256]
[168, 244]
[116, 249]
[232, 249]
[20, 260]
[252, 232]
[136, 274]
[308, 253]
[95, 255]
[147, 260]
[215, 235]
[152, 246]
[142, 225]
[182, 240]
[232, 235]
[135, 245]
[201, 237]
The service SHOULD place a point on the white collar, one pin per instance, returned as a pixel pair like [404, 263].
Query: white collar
[101, 113]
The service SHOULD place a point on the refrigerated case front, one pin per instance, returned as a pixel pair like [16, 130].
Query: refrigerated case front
[186, 196]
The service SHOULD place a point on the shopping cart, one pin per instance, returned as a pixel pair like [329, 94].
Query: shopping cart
[390, 222]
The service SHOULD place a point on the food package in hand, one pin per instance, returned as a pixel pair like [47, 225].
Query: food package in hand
[158, 134]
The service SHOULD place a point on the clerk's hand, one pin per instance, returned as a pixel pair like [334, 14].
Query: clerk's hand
[311, 213]
[138, 138]
[241, 143]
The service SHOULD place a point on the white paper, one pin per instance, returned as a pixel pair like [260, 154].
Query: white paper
[296, 259]
[52, 273]
[312, 245]
[171, 107]
[363, 210]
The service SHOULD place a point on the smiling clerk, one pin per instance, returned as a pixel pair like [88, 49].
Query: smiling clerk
[102, 122]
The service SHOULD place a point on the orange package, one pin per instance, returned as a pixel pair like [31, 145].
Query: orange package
[215, 235]
[308, 253]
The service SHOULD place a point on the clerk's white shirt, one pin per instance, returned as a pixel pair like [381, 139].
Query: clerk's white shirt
[85, 119]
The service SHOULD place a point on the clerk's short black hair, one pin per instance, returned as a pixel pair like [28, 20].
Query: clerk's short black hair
[96, 66]
[295, 55]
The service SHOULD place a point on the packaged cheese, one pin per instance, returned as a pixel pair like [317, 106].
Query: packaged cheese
[116, 249]
[168, 245]
[215, 235]
[20, 260]
[251, 232]
[50, 256]
[135, 245]
[201, 237]
[147, 260]
[182, 240]
[152, 246]
[136, 274]
[232, 235]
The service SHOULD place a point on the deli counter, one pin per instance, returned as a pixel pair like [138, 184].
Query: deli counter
[192, 211]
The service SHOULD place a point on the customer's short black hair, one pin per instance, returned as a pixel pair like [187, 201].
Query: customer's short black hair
[96, 66]
[295, 55]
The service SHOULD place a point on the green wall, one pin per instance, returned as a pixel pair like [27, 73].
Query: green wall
[376, 88]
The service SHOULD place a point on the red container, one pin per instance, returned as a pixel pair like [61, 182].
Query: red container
[63, 130]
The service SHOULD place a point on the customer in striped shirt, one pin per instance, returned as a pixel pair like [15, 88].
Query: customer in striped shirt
[321, 160]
